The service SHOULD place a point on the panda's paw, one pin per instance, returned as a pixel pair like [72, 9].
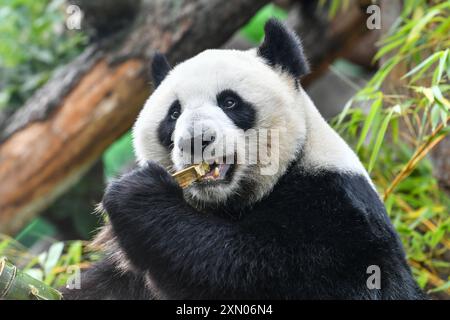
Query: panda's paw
[142, 187]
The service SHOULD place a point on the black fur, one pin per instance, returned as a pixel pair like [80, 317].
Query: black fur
[160, 69]
[243, 114]
[167, 125]
[313, 237]
[282, 48]
[105, 281]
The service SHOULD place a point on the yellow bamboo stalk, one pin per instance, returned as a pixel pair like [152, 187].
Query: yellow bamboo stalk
[420, 153]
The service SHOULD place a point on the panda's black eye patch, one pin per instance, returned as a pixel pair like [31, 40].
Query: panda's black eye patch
[241, 112]
[167, 125]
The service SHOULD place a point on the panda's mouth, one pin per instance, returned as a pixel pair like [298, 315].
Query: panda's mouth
[218, 172]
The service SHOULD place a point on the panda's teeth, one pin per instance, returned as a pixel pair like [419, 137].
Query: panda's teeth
[216, 172]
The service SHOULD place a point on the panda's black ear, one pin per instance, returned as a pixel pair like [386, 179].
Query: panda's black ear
[160, 68]
[281, 47]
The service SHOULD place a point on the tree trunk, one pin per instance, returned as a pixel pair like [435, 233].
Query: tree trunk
[60, 132]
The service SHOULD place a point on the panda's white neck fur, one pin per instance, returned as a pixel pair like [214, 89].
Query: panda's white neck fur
[323, 147]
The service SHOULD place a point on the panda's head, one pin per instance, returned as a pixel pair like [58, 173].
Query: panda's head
[225, 105]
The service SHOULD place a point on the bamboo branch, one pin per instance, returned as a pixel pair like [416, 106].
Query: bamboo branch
[435, 137]
[17, 285]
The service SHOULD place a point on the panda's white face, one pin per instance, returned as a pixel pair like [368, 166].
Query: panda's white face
[221, 95]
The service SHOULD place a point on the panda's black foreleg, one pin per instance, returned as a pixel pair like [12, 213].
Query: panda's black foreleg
[189, 254]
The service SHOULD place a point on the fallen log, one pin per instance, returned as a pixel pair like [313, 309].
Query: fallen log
[56, 137]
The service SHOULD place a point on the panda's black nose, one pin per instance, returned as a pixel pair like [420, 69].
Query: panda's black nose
[206, 143]
[193, 143]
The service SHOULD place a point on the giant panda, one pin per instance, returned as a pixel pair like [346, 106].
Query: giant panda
[312, 229]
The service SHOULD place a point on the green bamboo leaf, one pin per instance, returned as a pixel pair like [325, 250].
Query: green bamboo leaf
[424, 65]
[444, 117]
[448, 68]
[437, 76]
[344, 112]
[387, 48]
[437, 237]
[439, 7]
[397, 30]
[435, 116]
[395, 131]
[334, 8]
[74, 253]
[53, 255]
[381, 133]
[441, 264]
[427, 92]
[419, 25]
[380, 137]
[439, 97]
[443, 287]
[382, 73]
[422, 279]
[443, 28]
[376, 123]
[376, 105]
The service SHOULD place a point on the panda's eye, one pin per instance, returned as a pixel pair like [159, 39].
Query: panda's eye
[229, 103]
[229, 100]
[175, 115]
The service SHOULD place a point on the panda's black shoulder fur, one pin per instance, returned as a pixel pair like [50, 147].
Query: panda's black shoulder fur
[312, 237]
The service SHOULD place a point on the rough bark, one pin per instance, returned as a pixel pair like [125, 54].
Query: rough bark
[60, 132]
[104, 17]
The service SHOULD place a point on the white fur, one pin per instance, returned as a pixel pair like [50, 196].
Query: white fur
[324, 148]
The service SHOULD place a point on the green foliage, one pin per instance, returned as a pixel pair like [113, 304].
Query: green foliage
[53, 266]
[396, 158]
[254, 29]
[36, 230]
[334, 6]
[118, 155]
[33, 42]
